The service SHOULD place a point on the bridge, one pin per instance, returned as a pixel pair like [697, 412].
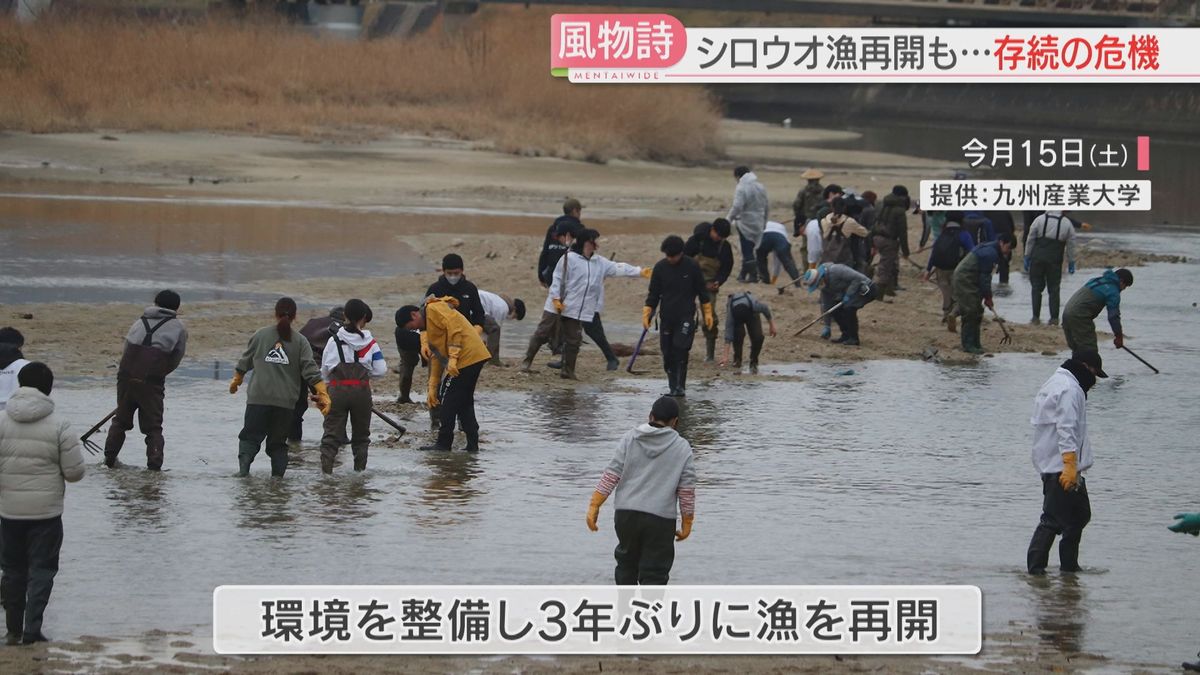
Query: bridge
[1084, 13]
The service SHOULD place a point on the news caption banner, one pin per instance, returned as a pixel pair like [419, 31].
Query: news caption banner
[468, 620]
[658, 48]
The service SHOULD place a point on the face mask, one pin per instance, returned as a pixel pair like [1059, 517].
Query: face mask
[453, 278]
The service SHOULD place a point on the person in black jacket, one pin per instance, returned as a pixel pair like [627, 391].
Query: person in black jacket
[567, 222]
[675, 284]
[1002, 223]
[452, 283]
[709, 247]
[563, 236]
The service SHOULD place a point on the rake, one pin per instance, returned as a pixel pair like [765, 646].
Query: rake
[389, 421]
[810, 324]
[1007, 339]
[90, 445]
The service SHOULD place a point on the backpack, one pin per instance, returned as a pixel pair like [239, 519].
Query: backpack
[947, 250]
[835, 248]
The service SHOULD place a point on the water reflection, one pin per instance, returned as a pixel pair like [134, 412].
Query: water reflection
[265, 503]
[448, 493]
[1060, 611]
[139, 494]
[345, 500]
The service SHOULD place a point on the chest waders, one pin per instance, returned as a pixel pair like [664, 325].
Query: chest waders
[1045, 267]
[966, 292]
[710, 266]
[350, 399]
[141, 378]
[1079, 318]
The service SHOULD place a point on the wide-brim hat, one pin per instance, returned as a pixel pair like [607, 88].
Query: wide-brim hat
[812, 174]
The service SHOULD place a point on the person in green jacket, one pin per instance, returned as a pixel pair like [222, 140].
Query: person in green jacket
[282, 361]
[1098, 294]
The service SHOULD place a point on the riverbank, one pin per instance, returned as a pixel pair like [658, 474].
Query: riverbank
[493, 209]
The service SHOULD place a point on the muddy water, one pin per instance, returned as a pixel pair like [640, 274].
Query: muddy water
[899, 472]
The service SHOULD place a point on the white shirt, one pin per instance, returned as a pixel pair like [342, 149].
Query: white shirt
[8, 380]
[1060, 424]
[773, 226]
[812, 231]
[584, 293]
[493, 306]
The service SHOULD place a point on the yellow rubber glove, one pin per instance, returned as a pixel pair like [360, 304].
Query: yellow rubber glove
[321, 398]
[1069, 479]
[646, 271]
[426, 352]
[558, 305]
[479, 330]
[706, 310]
[432, 398]
[452, 367]
[647, 312]
[686, 530]
[235, 382]
[594, 509]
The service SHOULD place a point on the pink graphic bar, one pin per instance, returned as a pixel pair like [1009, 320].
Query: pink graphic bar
[1143, 153]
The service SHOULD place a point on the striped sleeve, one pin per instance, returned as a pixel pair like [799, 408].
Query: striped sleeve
[608, 483]
[687, 501]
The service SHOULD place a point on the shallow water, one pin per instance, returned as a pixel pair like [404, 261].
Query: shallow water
[902, 472]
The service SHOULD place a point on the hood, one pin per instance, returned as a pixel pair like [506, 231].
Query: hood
[155, 312]
[895, 200]
[1111, 277]
[654, 441]
[9, 353]
[747, 177]
[354, 339]
[29, 405]
[447, 300]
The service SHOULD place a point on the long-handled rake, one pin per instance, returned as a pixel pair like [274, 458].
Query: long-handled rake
[810, 324]
[638, 348]
[90, 445]
[389, 421]
[1144, 361]
[1007, 339]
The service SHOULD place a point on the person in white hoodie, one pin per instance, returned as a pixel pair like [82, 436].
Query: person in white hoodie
[11, 361]
[749, 213]
[576, 296]
[651, 472]
[38, 452]
[351, 358]
[1062, 453]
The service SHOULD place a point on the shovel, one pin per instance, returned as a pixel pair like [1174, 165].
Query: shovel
[829, 311]
[90, 445]
[1007, 339]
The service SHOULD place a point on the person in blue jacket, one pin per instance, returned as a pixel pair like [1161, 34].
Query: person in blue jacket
[972, 282]
[1079, 316]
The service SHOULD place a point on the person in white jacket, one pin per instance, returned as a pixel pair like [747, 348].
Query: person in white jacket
[1061, 455]
[38, 454]
[749, 212]
[497, 309]
[11, 361]
[575, 297]
[351, 358]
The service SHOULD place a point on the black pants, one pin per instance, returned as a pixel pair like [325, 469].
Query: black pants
[459, 402]
[754, 328]
[595, 330]
[1063, 513]
[1002, 268]
[29, 561]
[408, 366]
[675, 341]
[145, 399]
[645, 548]
[265, 422]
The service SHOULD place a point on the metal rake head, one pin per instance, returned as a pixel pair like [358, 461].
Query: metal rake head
[91, 446]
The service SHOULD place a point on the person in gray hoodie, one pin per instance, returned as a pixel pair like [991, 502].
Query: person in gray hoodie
[749, 212]
[154, 346]
[283, 365]
[650, 472]
[38, 452]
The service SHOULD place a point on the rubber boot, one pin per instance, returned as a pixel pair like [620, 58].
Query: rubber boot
[970, 338]
[672, 381]
[360, 463]
[681, 380]
[568, 365]
[244, 466]
[530, 353]
[710, 348]
[472, 442]
[326, 465]
[526, 366]
[555, 364]
[14, 617]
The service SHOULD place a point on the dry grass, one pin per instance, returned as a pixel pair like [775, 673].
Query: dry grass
[490, 82]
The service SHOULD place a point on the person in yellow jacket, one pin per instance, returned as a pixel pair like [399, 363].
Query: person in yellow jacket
[452, 344]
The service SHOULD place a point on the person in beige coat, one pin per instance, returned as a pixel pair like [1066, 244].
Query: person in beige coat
[38, 454]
